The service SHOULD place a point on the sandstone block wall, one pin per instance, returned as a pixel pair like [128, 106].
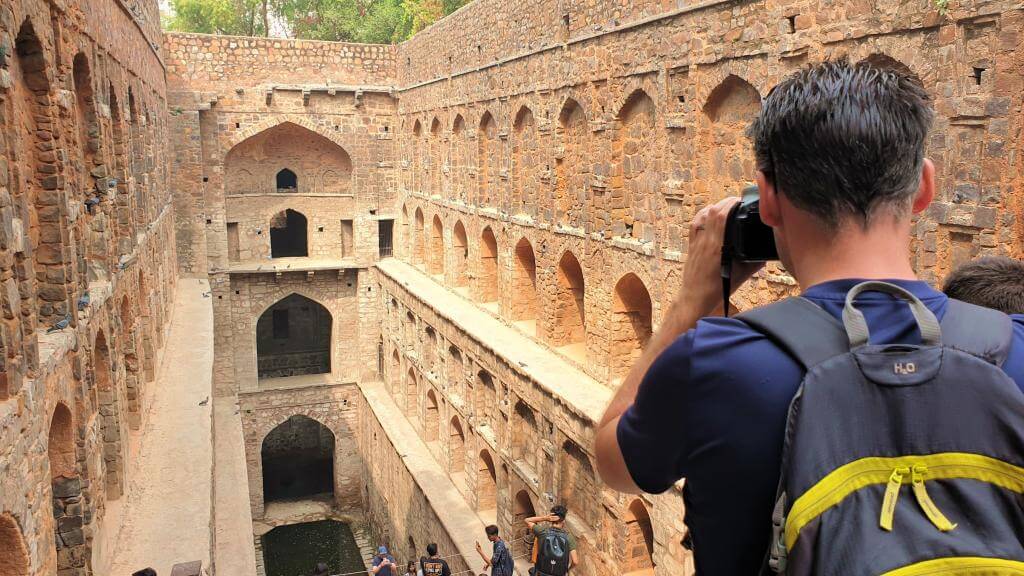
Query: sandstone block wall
[87, 267]
[542, 161]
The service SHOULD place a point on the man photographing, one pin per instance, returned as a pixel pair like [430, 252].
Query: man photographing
[841, 172]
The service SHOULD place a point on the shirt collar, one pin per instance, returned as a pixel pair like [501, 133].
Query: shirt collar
[837, 289]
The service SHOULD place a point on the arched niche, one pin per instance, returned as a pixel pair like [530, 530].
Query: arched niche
[524, 282]
[293, 338]
[287, 157]
[569, 320]
[460, 255]
[572, 166]
[639, 541]
[436, 264]
[297, 460]
[633, 150]
[525, 160]
[631, 324]
[487, 274]
[14, 559]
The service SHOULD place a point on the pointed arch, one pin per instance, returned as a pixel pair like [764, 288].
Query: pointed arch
[404, 229]
[458, 162]
[525, 160]
[436, 264]
[432, 418]
[578, 482]
[486, 485]
[412, 394]
[524, 282]
[524, 433]
[417, 238]
[522, 508]
[486, 398]
[111, 417]
[435, 158]
[293, 338]
[14, 559]
[287, 156]
[569, 321]
[87, 127]
[639, 540]
[488, 160]
[38, 188]
[729, 109]
[297, 460]
[632, 181]
[572, 166]
[416, 181]
[733, 100]
[456, 448]
[631, 324]
[289, 234]
[460, 255]
[487, 277]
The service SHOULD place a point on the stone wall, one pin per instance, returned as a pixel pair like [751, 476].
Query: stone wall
[87, 267]
[542, 162]
[601, 138]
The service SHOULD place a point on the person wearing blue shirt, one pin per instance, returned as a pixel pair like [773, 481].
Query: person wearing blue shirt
[841, 172]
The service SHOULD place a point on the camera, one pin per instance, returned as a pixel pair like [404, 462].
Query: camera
[747, 238]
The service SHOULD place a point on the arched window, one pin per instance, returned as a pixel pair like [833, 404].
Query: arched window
[288, 235]
[298, 460]
[293, 338]
[287, 181]
[432, 419]
[460, 256]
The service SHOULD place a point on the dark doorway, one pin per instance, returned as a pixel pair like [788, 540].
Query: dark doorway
[287, 181]
[293, 338]
[298, 460]
[288, 235]
[384, 231]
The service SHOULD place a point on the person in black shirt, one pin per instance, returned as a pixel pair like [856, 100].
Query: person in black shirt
[434, 565]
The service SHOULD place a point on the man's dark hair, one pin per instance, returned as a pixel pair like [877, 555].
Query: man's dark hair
[144, 572]
[431, 549]
[841, 140]
[995, 282]
[560, 511]
[491, 530]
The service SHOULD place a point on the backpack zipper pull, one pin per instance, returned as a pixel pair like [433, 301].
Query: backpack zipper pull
[892, 494]
[927, 504]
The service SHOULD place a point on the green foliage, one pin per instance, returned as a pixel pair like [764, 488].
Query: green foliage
[942, 6]
[234, 17]
[368, 21]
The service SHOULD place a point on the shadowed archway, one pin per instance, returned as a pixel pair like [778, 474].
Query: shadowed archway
[293, 338]
[298, 460]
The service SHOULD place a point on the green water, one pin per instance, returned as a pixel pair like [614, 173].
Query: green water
[295, 550]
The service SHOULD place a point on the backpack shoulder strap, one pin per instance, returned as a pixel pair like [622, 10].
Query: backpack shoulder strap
[803, 329]
[978, 331]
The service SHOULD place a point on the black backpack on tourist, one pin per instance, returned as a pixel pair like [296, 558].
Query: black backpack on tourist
[553, 555]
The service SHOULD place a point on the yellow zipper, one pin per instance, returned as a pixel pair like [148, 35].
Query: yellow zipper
[925, 501]
[859, 474]
[892, 494]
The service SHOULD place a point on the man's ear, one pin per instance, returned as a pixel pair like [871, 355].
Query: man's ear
[769, 207]
[926, 192]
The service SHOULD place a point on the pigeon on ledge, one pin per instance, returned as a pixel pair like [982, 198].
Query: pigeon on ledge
[83, 302]
[60, 325]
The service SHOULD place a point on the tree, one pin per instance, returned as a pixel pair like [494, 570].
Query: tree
[367, 21]
[233, 17]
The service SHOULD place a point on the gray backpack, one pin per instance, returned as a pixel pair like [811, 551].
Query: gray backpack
[898, 460]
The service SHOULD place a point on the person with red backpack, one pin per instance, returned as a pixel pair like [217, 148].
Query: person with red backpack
[555, 546]
[870, 426]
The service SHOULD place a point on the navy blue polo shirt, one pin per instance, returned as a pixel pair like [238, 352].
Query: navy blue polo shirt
[712, 409]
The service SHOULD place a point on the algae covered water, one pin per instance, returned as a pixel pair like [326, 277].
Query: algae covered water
[295, 550]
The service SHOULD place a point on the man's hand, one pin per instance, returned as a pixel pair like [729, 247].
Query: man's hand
[701, 291]
[554, 518]
[479, 548]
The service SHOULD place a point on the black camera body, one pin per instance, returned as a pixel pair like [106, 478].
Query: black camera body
[747, 238]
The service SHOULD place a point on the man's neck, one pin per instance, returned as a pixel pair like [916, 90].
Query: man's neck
[879, 253]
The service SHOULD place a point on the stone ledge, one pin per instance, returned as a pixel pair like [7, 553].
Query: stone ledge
[580, 392]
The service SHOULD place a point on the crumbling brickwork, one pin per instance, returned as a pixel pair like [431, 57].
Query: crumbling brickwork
[87, 266]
